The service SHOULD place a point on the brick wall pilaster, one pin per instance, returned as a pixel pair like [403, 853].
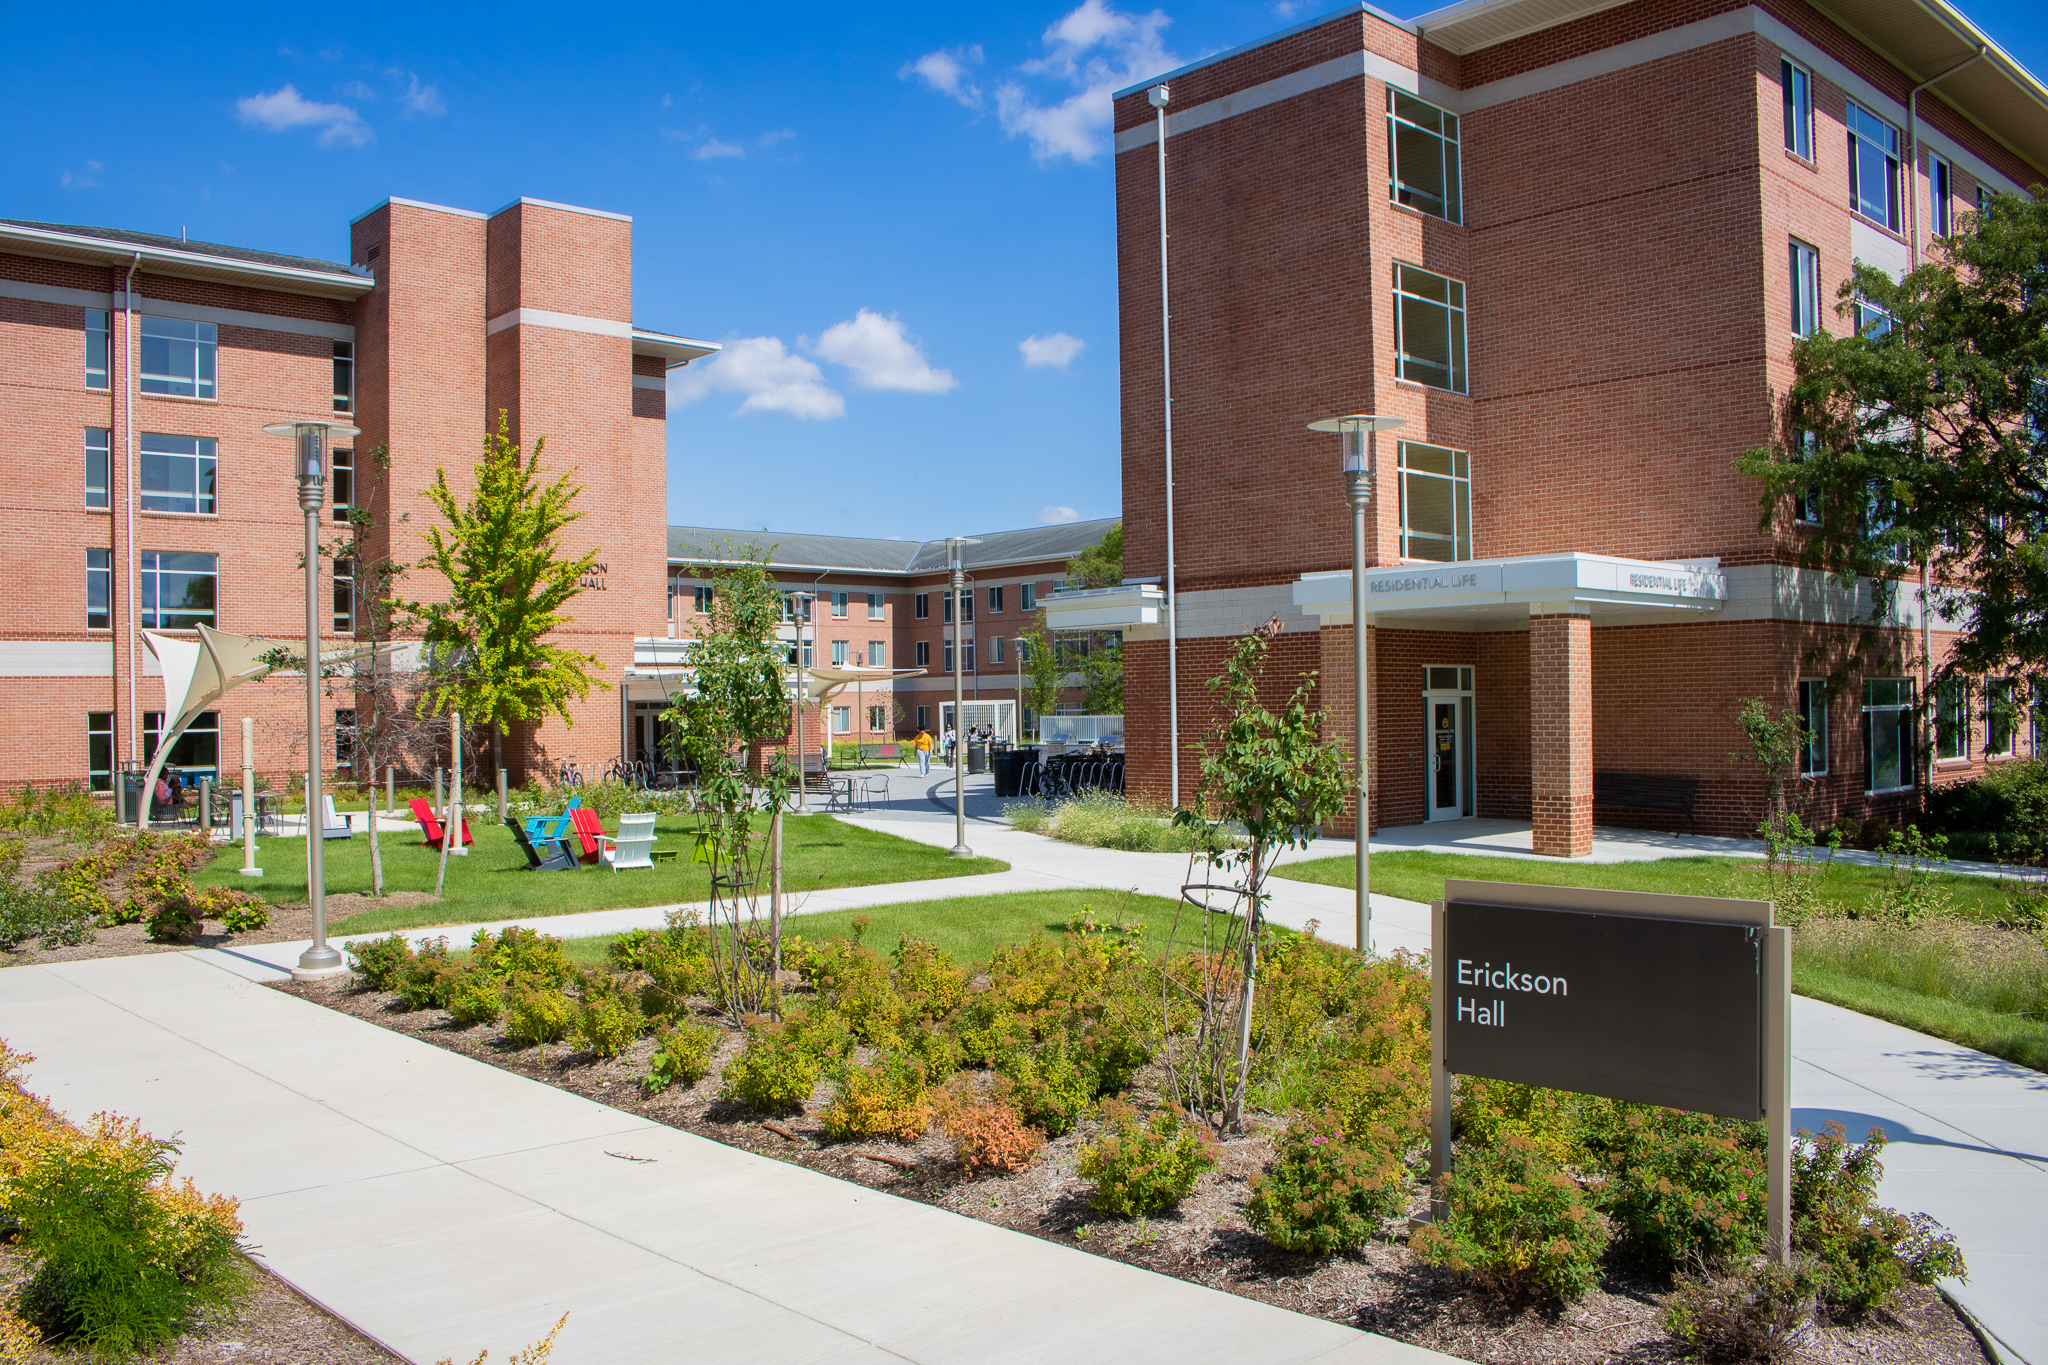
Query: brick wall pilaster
[1561, 733]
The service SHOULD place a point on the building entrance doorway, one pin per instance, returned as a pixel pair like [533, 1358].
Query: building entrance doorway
[1448, 778]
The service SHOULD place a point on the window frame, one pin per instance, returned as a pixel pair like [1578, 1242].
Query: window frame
[923, 653]
[839, 605]
[2001, 717]
[1027, 597]
[1461, 501]
[150, 573]
[1874, 137]
[995, 649]
[344, 581]
[878, 718]
[703, 596]
[1941, 188]
[1896, 714]
[1804, 276]
[346, 732]
[1952, 728]
[924, 717]
[341, 481]
[1450, 166]
[99, 587]
[921, 606]
[995, 599]
[99, 731]
[842, 720]
[344, 376]
[1797, 81]
[1454, 308]
[947, 655]
[98, 338]
[104, 450]
[1813, 722]
[205, 474]
[878, 654]
[205, 342]
[839, 651]
[877, 607]
[152, 733]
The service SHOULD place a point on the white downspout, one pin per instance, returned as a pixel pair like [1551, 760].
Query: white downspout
[131, 559]
[1159, 96]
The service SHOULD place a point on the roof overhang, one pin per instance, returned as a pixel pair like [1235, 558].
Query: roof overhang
[1509, 590]
[673, 350]
[191, 265]
[1132, 604]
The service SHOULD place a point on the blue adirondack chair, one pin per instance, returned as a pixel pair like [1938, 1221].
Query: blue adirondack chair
[551, 827]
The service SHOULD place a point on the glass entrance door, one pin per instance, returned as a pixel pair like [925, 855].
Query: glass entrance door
[1443, 760]
[1447, 772]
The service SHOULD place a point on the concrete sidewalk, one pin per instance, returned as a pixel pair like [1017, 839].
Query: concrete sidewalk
[441, 1205]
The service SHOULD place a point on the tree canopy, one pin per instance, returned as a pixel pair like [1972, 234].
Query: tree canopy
[1101, 565]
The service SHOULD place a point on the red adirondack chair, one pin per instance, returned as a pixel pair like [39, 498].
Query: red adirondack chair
[584, 825]
[430, 825]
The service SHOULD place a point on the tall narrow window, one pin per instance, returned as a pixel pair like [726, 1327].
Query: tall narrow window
[1027, 597]
[1422, 156]
[178, 473]
[2001, 718]
[924, 717]
[839, 605]
[99, 750]
[878, 718]
[995, 649]
[1806, 505]
[995, 598]
[1873, 167]
[342, 482]
[1813, 723]
[874, 606]
[96, 348]
[345, 596]
[344, 376]
[1805, 289]
[178, 590]
[98, 457]
[921, 606]
[178, 357]
[967, 653]
[878, 654]
[1952, 719]
[99, 589]
[924, 654]
[839, 653]
[948, 665]
[1429, 329]
[1798, 83]
[702, 596]
[1941, 189]
[1888, 734]
[842, 720]
[1436, 503]
[946, 608]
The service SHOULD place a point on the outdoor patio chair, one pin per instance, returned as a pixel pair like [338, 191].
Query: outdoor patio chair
[544, 855]
[332, 826]
[584, 829]
[430, 825]
[552, 826]
[632, 847]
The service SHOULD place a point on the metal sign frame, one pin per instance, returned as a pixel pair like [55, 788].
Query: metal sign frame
[1776, 1034]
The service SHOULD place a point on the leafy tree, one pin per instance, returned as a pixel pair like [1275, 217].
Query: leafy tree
[1101, 565]
[1041, 667]
[508, 582]
[1102, 673]
[1919, 435]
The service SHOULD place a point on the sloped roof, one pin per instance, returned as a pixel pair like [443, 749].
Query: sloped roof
[175, 255]
[799, 550]
[1016, 547]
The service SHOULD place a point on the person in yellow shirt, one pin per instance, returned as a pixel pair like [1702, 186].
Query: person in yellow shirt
[923, 745]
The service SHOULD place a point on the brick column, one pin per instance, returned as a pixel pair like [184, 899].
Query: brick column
[1561, 732]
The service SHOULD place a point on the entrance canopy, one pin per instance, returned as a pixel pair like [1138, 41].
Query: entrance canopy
[1496, 593]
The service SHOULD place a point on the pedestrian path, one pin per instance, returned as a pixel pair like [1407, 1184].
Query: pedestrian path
[441, 1205]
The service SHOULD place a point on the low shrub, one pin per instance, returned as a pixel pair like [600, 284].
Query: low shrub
[535, 1018]
[1103, 819]
[1486, 1111]
[889, 1097]
[1686, 1188]
[1516, 1228]
[1328, 1189]
[421, 981]
[522, 959]
[1030, 817]
[1752, 1316]
[1140, 1169]
[1860, 1253]
[989, 1137]
[173, 923]
[1051, 1087]
[68, 810]
[378, 961]
[32, 914]
[239, 912]
[855, 980]
[782, 1062]
[682, 1056]
[605, 1023]
[677, 970]
[928, 978]
[474, 998]
[2005, 810]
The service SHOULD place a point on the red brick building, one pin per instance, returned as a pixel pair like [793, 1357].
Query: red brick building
[1572, 244]
[140, 372]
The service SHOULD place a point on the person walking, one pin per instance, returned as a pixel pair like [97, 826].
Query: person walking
[923, 745]
[946, 743]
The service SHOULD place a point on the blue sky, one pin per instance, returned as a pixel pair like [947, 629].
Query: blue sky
[899, 218]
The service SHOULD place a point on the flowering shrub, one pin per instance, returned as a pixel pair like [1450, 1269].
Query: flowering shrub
[1141, 1169]
[1329, 1189]
[1486, 1111]
[422, 980]
[1861, 1253]
[989, 1137]
[379, 961]
[473, 998]
[522, 958]
[782, 1062]
[890, 1097]
[855, 980]
[1516, 1227]
[536, 1018]
[605, 1023]
[1685, 1188]
[928, 978]
[682, 1056]
[1052, 1088]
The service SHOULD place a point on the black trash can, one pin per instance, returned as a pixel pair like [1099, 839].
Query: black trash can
[977, 756]
[1009, 768]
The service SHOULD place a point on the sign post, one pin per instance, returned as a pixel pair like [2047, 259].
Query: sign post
[1680, 1001]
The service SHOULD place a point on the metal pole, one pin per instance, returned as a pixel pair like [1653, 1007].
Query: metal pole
[802, 796]
[1160, 95]
[390, 789]
[1778, 1088]
[319, 960]
[1359, 488]
[960, 848]
[1439, 1077]
[249, 868]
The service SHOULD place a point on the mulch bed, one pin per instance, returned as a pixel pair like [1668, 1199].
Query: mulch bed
[1206, 1241]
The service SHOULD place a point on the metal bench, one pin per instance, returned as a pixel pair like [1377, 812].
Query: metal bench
[1665, 792]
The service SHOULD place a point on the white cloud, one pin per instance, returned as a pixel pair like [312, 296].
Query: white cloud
[772, 379]
[358, 90]
[87, 179]
[1287, 9]
[713, 149]
[769, 139]
[422, 99]
[881, 356]
[1094, 50]
[946, 72]
[285, 109]
[1053, 351]
[1057, 516]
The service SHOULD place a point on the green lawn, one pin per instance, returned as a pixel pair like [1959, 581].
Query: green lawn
[492, 883]
[1418, 876]
[967, 927]
[2002, 1035]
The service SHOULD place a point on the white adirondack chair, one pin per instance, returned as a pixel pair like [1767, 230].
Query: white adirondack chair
[632, 847]
[332, 826]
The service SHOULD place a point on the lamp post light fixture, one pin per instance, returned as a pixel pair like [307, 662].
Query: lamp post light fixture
[309, 466]
[1358, 459]
[956, 560]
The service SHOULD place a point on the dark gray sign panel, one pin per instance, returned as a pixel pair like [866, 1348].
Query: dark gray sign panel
[1662, 1011]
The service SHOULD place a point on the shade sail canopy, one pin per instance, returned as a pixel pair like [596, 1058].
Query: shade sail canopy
[820, 683]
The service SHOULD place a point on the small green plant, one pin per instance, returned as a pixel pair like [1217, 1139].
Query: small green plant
[782, 1062]
[1328, 1190]
[1143, 1168]
[1755, 1315]
[889, 1097]
[378, 961]
[928, 978]
[239, 912]
[1860, 1252]
[537, 1017]
[474, 998]
[1516, 1228]
[1051, 1086]
[1686, 1189]
[421, 981]
[682, 1056]
[32, 914]
[522, 958]
[1912, 894]
[605, 1023]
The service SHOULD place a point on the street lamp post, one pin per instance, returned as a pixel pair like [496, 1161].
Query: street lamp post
[309, 466]
[1357, 462]
[956, 559]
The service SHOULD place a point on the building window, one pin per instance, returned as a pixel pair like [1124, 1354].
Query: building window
[842, 720]
[345, 740]
[948, 668]
[878, 718]
[839, 653]
[1873, 167]
[98, 456]
[99, 589]
[342, 482]
[1806, 508]
[178, 473]
[1805, 289]
[967, 653]
[96, 348]
[1983, 196]
[995, 599]
[344, 376]
[1941, 189]
[703, 595]
[924, 654]
[874, 606]
[1429, 329]
[1952, 719]
[99, 750]
[1027, 597]
[921, 606]
[1872, 321]
[198, 748]
[1813, 722]
[1798, 83]
[878, 654]
[966, 607]
[1888, 734]
[1422, 155]
[1999, 717]
[839, 606]
[995, 649]
[345, 596]
[178, 357]
[924, 717]
[178, 590]
[1436, 503]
